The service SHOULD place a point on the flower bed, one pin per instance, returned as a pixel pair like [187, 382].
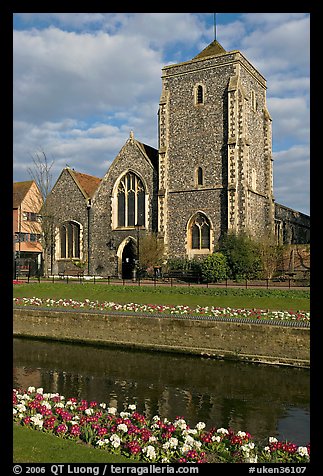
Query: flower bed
[132, 434]
[162, 309]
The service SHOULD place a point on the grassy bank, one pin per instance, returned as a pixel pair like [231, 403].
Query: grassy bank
[191, 296]
[32, 446]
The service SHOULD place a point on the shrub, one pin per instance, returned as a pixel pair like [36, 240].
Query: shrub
[214, 267]
[243, 256]
[184, 264]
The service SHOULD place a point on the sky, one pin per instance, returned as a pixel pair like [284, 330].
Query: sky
[83, 81]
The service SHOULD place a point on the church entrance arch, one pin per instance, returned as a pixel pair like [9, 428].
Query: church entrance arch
[127, 256]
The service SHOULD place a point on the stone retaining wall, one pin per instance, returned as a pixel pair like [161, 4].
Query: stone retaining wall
[264, 343]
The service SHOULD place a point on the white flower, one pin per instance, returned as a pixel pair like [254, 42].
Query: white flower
[190, 431]
[180, 423]
[112, 410]
[31, 389]
[100, 443]
[37, 420]
[59, 405]
[89, 411]
[150, 452]
[40, 390]
[132, 407]
[302, 450]
[252, 459]
[223, 430]
[173, 442]
[122, 427]
[241, 433]
[216, 438]
[200, 425]
[272, 439]
[185, 448]
[103, 405]
[124, 414]
[14, 411]
[115, 440]
[189, 440]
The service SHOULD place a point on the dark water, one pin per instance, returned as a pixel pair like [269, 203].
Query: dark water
[263, 400]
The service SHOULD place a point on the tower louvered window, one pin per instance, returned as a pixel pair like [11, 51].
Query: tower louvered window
[131, 201]
[199, 95]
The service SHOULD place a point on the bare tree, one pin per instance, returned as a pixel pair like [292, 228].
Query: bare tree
[41, 173]
[271, 254]
[151, 251]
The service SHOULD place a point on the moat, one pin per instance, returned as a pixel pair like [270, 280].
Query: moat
[264, 400]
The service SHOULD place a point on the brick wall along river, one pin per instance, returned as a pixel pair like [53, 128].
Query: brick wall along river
[234, 340]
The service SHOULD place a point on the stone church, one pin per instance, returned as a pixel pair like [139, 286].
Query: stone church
[212, 173]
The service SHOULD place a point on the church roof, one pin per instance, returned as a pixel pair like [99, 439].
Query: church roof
[213, 49]
[150, 152]
[87, 183]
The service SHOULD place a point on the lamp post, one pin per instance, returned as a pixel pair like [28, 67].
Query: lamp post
[88, 208]
[112, 247]
[138, 227]
[138, 236]
[48, 240]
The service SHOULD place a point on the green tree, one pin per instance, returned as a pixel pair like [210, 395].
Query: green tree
[214, 267]
[243, 256]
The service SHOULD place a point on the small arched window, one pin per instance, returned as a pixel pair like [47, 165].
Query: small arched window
[199, 94]
[199, 176]
[70, 240]
[200, 232]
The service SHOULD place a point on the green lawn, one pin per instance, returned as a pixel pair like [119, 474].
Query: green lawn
[32, 446]
[187, 295]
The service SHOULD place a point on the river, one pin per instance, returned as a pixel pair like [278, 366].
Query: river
[265, 400]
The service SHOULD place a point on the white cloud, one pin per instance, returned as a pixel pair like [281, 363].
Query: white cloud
[291, 118]
[283, 46]
[292, 178]
[82, 81]
[54, 71]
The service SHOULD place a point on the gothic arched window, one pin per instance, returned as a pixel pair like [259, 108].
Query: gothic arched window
[131, 201]
[70, 240]
[200, 232]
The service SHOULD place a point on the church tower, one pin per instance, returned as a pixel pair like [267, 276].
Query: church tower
[215, 152]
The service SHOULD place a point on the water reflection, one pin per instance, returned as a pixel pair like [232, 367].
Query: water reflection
[264, 400]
